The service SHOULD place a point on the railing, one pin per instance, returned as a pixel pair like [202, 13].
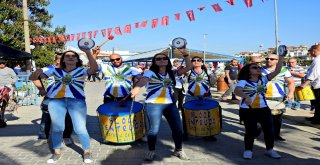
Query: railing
[25, 91]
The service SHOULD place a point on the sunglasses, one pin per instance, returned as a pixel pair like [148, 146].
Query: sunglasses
[161, 58]
[198, 60]
[115, 59]
[267, 59]
[255, 67]
[70, 56]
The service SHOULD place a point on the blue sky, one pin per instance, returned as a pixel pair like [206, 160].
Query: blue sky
[235, 29]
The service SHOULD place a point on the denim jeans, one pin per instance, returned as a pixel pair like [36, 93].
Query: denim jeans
[251, 117]
[77, 109]
[293, 104]
[154, 114]
[231, 86]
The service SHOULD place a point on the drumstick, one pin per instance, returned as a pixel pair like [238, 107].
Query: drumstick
[109, 38]
[131, 108]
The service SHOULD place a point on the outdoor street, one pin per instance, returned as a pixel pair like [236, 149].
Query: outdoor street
[301, 147]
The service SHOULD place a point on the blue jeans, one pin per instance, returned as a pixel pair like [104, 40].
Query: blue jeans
[77, 109]
[154, 114]
[293, 104]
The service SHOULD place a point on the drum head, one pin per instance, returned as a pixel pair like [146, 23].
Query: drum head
[117, 109]
[86, 43]
[179, 42]
[201, 104]
[282, 50]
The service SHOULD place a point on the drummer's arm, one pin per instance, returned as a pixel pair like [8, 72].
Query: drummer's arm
[291, 87]
[142, 82]
[239, 92]
[94, 68]
[187, 60]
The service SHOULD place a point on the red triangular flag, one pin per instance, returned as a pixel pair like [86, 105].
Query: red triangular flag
[54, 39]
[248, 3]
[90, 34]
[190, 15]
[201, 8]
[49, 40]
[144, 23]
[104, 32]
[67, 37]
[231, 2]
[109, 31]
[127, 28]
[165, 21]
[136, 25]
[45, 40]
[154, 23]
[177, 16]
[95, 33]
[216, 7]
[117, 31]
[71, 37]
[78, 36]
[84, 34]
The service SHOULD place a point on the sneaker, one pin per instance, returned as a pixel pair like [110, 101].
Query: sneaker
[279, 138]
[67, 141]
[40, 142]
[181, 155]
[54, 158]
[247, 154]
[144, 138]
[87, 158]
[274, 154]
[149, 155]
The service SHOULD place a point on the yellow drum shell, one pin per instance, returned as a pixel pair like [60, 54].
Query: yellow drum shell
[202, 122]
[304, 94]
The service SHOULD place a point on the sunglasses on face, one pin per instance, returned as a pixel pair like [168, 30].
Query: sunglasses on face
[255, 67]
[115, 59]
[161, 58]
[70, 56]
[198, 60]
[267, 59]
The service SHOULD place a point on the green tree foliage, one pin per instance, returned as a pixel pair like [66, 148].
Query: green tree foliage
[12, 33]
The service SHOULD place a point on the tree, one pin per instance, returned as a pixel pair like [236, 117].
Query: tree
[11, 27]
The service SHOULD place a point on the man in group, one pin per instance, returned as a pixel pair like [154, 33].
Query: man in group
[313, 77]
[256, 59]
[298, 73]
[7, 79]
[276, 94]
[231, 74]
[118, 78]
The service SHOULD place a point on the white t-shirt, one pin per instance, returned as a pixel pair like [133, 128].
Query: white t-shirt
[256, 91]
[199, 84]
[313, 73]
[276, 87]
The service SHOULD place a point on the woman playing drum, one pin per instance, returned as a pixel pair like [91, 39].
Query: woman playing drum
[67, 94]
[160, 80]
[200, 79]
[253, 106]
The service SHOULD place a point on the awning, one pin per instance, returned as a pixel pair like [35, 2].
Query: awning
[9, 53]
[145, 55]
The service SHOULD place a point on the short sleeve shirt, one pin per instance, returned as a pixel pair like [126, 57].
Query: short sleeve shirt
[118, 80]
[233, 71]
[199, 84]
[66, 84]
[298, 69]
[159, 88]
[256, 91]
[276, 87]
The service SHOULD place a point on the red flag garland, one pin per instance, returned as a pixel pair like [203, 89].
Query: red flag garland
[78, 36]
[117, 31]
[71, 37]
[248, 3]
[154, 23]
[177, 16]
[104, 32]
[216, 7]
[127, 28]
[231, 2]
[95, 33]
[144, 23]
[165, 21]
[109, 31]
[84, 34]
[190, 15]
[90, 34]
[49, 40]
[201, 8]
[136, 25]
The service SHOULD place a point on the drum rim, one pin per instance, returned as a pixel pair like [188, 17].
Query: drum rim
[86, 39]
[135, 109]
[203, 108]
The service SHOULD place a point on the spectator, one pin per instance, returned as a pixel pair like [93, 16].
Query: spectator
[231, 73]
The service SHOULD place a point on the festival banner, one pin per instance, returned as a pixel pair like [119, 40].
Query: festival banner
[190, 15]
[104, 32]
[117, 30]
[144, 23]
[95, 33]
[216, 7]
[109, 31]
[248, 3]
[136, 25]
[177, 16]
[231, 2]
[201, 8]
[127, 28]
[165, 21]
[154, 23]
[90, 34]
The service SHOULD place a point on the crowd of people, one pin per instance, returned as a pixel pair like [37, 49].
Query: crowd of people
[264, 92]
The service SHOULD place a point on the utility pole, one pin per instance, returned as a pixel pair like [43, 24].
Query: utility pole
[26, 33]
[204, 47]
[276, 24]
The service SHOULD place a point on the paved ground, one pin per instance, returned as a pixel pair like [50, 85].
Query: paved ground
[302, 145]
